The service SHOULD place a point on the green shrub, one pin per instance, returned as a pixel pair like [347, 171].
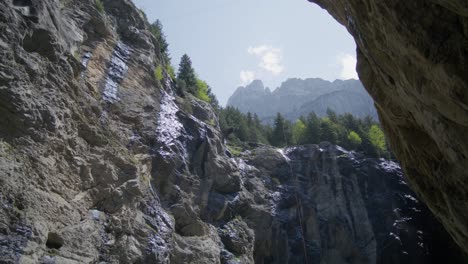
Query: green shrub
[377, 138]
[158, 73]
[202, 91]
[100, 6]
[354, 139]
[184, 104]
[211, 122]
[236, 151]
[299, 132]
[170, 70]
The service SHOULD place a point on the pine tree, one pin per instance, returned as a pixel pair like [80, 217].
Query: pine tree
[328, 131]
[213, 100]
[187, 74]
[249, 119]
[280, 136]
[157, 30]
[332, 115]
[312, 133]
[256, 121]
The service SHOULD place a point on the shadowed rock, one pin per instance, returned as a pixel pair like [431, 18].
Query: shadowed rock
[412, 58]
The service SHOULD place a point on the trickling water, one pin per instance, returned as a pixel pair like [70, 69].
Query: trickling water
[242, 165]
[281, 151]
[116, 71]
[169, 127]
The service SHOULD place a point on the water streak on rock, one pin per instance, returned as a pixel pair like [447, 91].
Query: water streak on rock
[169, 127]
[116, 72]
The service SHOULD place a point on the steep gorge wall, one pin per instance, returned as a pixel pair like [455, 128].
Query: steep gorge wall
[79, 110]
[101, 163]
[412, 58]
[341, 207]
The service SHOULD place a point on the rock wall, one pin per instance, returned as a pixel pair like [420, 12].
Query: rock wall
[412, 58]
[102, 163]
[79, 110]
[339, 207]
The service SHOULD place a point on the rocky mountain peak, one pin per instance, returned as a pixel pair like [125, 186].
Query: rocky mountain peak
[296, 97]
[256, 85]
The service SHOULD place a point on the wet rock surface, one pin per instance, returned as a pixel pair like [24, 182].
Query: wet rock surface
[99, 163]
[412, 58]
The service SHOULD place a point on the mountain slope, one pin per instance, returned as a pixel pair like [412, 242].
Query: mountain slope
[342, 101]
[296, 97]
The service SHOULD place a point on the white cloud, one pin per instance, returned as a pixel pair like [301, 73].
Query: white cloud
[270, 58]
[258, 50]
[348, 66]
[247, 77]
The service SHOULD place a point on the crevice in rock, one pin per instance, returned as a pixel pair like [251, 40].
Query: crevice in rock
[54, 241]
[40, 41]
[27, 9]
[22, 3]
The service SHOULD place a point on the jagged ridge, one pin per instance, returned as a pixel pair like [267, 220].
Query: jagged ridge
[296, 97]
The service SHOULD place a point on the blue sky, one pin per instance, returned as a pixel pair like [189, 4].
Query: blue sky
[232, 42]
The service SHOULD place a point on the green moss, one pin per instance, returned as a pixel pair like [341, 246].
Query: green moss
[99, 6]
[236, 151]
[211, 122]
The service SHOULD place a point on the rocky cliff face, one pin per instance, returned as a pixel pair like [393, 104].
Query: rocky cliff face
[101, 163]
[412, 59]
[296, 97]
[79, 111]
[339, 207]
